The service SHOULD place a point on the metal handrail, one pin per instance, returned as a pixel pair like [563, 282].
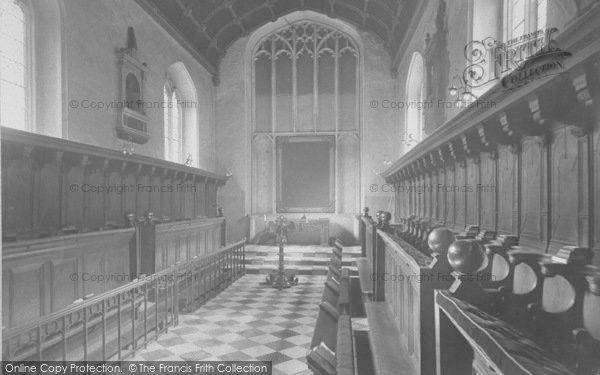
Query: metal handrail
[159, 292]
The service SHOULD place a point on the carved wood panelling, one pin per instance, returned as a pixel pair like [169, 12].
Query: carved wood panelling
[460, 186]
[42, 276]
[442, 197]
[53, 186]
[450, 197]
[596, 191]
[506, 193]
[434, 195]
[532, 181]
[564, 188]
[473, 192]
[488, 194]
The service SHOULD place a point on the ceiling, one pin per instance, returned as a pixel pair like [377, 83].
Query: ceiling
[209, 27]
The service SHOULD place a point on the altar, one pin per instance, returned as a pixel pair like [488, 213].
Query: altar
[307, 231]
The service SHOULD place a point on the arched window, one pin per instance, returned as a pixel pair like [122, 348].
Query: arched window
[524, 16]
[15, 65]
[173, 123]
[181, 117]
[413, 124]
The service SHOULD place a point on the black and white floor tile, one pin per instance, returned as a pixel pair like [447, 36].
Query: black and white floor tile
[247, 321]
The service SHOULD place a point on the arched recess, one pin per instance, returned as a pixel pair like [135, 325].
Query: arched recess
[415, 83]
[182, 82]
[287, 105]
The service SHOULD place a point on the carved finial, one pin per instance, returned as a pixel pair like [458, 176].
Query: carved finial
[130, 218]
[366, 212]
[440, 239]
[385, 218]
[131, 42]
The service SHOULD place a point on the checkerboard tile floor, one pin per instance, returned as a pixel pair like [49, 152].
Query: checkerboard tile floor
[247, 321]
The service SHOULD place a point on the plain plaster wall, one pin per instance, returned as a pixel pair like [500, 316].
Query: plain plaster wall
[94, 32]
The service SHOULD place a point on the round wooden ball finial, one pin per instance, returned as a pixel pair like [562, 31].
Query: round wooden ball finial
[466, 257]
[440, 239]
[366, 212]
[378, 215]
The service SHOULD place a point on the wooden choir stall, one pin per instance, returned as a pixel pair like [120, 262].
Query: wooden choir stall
[491, 262]
[97, 261]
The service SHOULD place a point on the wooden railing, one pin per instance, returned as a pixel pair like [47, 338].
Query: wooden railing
[44, 275]
[53, 186]
[115, 324]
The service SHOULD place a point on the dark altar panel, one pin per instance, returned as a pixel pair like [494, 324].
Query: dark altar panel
[305, 174]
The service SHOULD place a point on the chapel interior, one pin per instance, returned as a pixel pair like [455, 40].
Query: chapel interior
[351, 187]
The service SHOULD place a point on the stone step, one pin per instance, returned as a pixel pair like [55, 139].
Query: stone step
[299, 270]
[304, 260]
[291, 250]
[347, 262]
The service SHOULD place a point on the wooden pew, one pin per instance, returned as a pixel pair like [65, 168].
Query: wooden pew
[400, 308]
[542, 318]
[332, 343]
[367, 230]
[401, 314]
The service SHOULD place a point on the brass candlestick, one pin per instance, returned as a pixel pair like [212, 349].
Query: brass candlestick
[281, 278]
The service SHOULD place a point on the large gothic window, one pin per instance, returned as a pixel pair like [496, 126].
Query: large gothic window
[15, 66]
[305, 82]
